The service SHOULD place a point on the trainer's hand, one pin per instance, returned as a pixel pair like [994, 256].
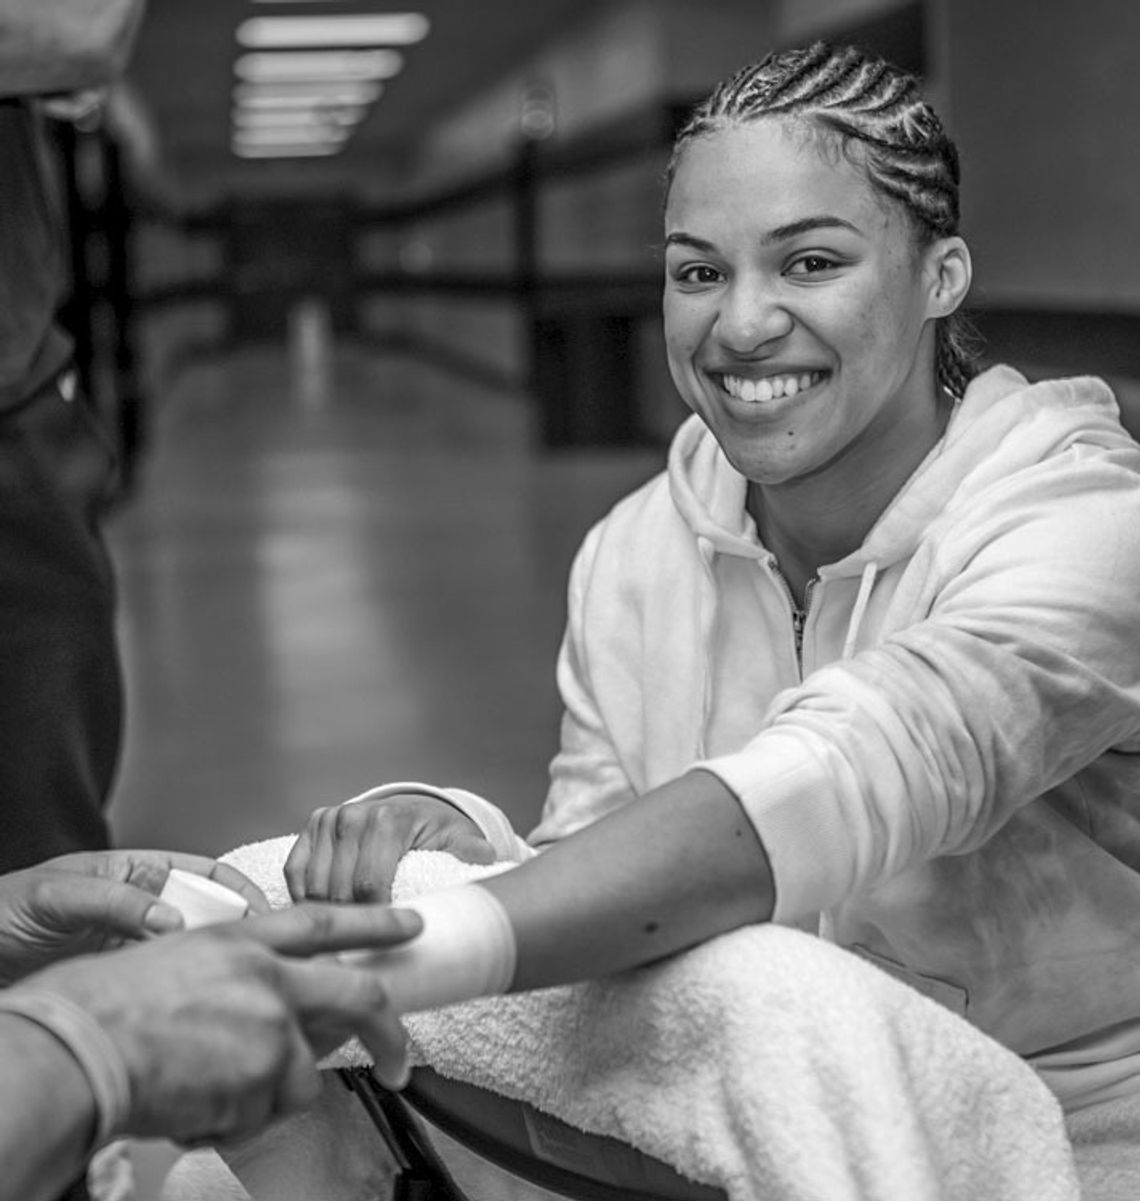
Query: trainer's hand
[94, 900]
[65, 45]
[350, 852]
[83, 108]
[221, 1028]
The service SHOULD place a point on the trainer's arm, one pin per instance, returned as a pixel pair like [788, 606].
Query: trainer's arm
[47, 1112]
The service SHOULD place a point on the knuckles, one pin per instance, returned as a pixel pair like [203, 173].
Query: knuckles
[346, 820]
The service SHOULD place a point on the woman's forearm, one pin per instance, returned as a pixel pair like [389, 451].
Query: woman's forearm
[47, 1113]
[672, 869]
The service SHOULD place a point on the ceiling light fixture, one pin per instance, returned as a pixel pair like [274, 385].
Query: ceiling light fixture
[269, 96]
[338, 65]
[284, 151]
[336, 118]
[364, 29]
[301, 131]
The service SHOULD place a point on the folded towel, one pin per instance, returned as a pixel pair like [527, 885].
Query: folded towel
[767, 1062]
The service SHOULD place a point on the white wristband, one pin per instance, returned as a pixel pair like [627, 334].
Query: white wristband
[466, 949]
[88, 1043]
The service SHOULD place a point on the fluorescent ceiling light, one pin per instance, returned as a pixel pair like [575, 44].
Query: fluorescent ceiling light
[340, 65]
[283, 151]
[298, 134]
[278, 118]
[268, 96]
[364, 29]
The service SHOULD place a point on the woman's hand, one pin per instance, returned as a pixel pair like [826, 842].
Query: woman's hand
[94, 900]
[350, 852]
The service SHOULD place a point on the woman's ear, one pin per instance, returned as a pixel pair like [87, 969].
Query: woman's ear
[948, 271]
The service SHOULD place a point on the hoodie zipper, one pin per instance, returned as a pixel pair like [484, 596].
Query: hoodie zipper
[799, 616]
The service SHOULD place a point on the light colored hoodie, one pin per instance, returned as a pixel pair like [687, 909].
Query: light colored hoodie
[948, 769]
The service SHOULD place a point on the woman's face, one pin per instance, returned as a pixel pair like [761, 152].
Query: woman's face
[795, 302]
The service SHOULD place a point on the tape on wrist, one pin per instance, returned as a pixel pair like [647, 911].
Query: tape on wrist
[89, 1045]
[466, 949]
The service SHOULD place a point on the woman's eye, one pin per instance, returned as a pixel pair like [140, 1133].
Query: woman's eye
[812, 264]
[699, 273]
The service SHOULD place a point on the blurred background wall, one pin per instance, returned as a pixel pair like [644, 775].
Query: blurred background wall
[508, 221]
[484, 245]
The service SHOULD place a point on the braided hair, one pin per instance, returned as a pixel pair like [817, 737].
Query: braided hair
[906, 153]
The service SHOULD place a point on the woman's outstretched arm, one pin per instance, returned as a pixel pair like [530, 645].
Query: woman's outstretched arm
[673, 868]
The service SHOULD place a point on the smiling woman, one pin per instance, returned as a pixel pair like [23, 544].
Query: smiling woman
[866, 657]
[800, 319]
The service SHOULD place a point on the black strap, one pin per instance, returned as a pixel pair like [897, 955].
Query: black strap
[423, 1176]
[516, 1138]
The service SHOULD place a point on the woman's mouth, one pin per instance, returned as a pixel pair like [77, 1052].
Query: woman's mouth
[771, 387]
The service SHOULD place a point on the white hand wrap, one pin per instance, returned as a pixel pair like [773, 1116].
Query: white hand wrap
[466, 949]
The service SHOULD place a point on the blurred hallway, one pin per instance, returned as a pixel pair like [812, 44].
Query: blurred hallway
[337, 570]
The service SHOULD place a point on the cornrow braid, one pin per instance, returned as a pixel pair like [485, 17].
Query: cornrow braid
[905, 151]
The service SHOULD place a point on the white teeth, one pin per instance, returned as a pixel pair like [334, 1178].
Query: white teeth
[772, 387]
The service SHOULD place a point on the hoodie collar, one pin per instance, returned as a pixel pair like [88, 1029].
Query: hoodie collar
[1002, 424]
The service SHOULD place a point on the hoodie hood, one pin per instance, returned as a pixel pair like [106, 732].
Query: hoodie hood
[1003, 424]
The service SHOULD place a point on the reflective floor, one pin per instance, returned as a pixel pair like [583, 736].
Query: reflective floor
[337, 570]
[341, 569]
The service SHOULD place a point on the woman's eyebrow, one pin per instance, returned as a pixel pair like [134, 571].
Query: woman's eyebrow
[780, 234]
[680, 238]
[805, 225]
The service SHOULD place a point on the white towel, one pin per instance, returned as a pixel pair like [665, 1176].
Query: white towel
[767, 1062]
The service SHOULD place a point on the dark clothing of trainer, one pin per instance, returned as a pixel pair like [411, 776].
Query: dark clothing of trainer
[60, 689]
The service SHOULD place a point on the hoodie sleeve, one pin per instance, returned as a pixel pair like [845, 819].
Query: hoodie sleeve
[1023, 670]
[586, 779]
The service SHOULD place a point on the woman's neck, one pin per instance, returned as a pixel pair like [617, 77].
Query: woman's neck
[822, 517]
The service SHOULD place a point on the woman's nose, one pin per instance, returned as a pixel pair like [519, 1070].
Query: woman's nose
[749, 317]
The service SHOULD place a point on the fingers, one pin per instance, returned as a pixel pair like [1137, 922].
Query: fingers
[471, 848]
[334, 1002]
[320, 840]
[297, 863]
[387, 1042]
[350, 852]
[147, 870]
[80, 903]
[369, 847]
[314, 928]
[351, 830]
[300, 1082]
